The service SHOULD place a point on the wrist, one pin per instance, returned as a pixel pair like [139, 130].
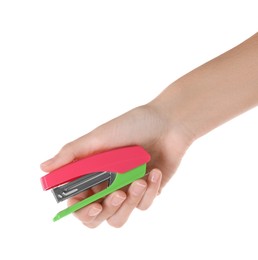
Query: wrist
[176, 128]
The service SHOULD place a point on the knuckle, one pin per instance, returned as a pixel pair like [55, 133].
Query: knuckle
[132, 201]
[68, 150]
[66, 147]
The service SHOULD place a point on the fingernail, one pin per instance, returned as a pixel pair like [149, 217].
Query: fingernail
[117, 200]
[138, 188]
[155, 176]
[94, 211]
[46, 163]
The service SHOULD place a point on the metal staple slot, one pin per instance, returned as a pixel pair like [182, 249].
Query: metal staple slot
[81, 184]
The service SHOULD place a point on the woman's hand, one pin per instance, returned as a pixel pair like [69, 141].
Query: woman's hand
[145, 126]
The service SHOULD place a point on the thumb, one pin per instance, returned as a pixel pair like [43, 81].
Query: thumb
[83, 146]
[121, 131]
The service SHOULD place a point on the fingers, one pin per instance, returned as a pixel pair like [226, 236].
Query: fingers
[94, 214]
[118, 206]
[154, 181]
[135, 194]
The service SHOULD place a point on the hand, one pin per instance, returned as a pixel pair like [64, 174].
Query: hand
[145, 126]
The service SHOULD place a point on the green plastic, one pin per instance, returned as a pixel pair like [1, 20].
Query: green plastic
[120, 181]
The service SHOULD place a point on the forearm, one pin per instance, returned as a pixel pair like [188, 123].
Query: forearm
[214, 92]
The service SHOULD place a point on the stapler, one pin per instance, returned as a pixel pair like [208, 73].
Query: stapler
[118, 167]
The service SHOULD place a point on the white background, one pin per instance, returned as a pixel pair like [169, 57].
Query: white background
[68, 66]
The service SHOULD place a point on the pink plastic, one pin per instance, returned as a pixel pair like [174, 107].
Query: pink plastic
[119, 160]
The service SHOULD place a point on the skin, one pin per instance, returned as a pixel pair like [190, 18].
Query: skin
[189, 108]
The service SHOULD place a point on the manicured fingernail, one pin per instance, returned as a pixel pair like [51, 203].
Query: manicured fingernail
[94, 211]
[117, 200]
[138, 188]
[155, 176]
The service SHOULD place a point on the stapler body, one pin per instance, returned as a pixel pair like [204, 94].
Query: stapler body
[118, 167]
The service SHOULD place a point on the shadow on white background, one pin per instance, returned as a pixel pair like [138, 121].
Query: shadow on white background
[68, 66]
